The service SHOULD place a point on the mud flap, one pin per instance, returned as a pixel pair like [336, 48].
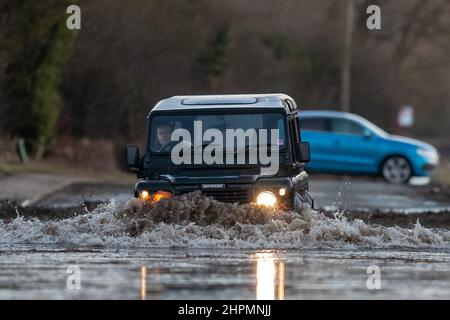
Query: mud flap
[305, 199]
[309, 199]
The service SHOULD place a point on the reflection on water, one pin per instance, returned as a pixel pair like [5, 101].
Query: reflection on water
[281, 280]
[149, 286]
[143, 283]
[269, 277]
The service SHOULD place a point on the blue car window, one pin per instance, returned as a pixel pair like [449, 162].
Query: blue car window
[314, 124]
[346, 127]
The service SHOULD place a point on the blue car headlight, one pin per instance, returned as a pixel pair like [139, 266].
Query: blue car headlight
[430, 155]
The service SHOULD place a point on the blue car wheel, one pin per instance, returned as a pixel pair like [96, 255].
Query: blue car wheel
[396, 169]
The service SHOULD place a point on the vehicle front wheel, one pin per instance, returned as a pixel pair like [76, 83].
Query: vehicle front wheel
[396, 169]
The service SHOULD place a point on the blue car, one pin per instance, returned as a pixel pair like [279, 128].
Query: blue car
[347, 143]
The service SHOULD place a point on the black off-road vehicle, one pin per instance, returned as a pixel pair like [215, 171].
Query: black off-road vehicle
[234, 148]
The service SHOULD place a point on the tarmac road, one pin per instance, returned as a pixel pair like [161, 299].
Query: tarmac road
[359, 194]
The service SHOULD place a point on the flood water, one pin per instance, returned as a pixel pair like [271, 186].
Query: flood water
[196, 248]
[29, 272]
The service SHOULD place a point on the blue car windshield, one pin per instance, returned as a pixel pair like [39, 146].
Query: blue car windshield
[374, 128]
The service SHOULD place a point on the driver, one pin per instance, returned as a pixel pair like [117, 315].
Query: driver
[163, 134]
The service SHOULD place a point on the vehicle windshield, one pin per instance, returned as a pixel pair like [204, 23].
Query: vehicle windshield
[162, 127]
[374, 128]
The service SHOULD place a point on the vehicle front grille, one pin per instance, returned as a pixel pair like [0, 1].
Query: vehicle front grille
[231, 193]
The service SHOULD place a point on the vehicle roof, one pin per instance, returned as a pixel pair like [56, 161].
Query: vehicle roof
[330, 114]
[251, 101]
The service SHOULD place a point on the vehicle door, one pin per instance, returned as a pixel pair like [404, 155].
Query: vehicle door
[354, 147]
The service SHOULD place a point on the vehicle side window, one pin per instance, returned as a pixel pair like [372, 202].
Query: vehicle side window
[346, 127]
[314, 124]
[282, 134]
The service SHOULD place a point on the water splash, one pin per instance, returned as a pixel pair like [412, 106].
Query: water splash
[194, 220]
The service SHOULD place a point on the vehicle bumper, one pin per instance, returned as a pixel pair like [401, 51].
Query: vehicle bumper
[282, 188]
[424, 168]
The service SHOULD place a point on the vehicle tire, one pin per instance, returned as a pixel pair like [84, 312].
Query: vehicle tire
[396, 169]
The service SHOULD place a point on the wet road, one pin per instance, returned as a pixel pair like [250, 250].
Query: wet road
[343, 193]
[347, 193]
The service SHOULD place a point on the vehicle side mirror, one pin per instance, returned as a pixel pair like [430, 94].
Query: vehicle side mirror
[367, 134]
[133, 159]
[305, 153]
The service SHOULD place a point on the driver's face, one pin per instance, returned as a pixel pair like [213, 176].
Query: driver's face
[163, 134]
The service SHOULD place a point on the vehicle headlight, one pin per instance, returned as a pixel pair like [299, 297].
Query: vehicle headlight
[266, 198]
[156, 197]
[144, 195]
[161, 195]
[430, 155]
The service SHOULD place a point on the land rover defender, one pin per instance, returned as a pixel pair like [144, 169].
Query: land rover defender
[233, 148]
